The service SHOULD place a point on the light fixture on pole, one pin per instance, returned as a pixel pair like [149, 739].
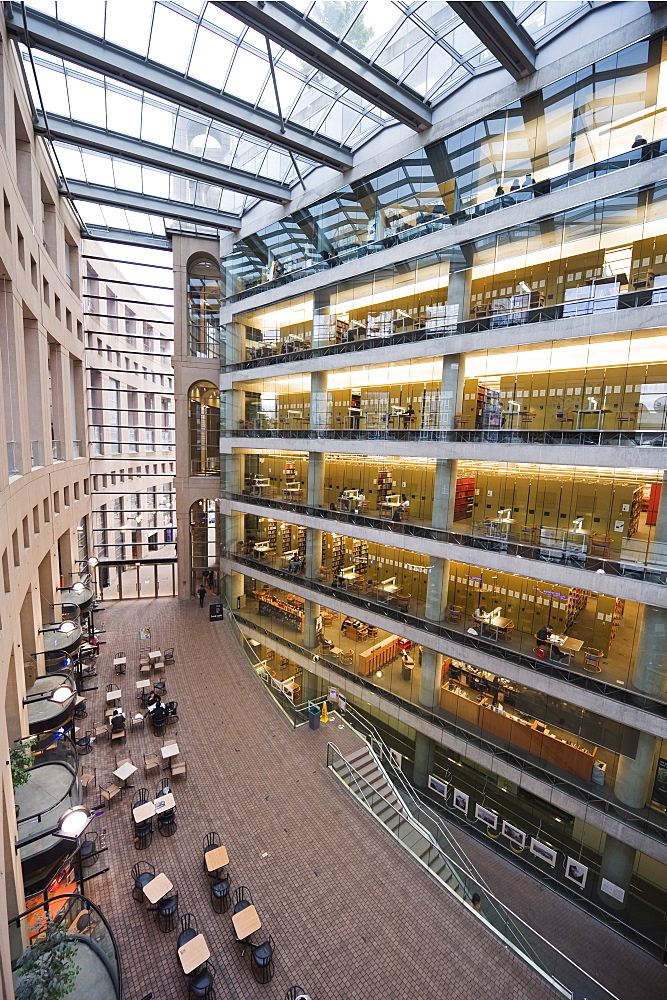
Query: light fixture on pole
[70, 826]
[59, 695]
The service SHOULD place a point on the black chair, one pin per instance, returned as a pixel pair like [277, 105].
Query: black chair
[171, 708]
[84, 745]
[142, 795]
[242, 899]
[90, 848]
[188, 930]
[80, 712]
[261, 960]
[159, 721]
[168, 655]
[142, 873]
[160, 688]
[167, 913]
[166, 823]
[211, 841]
[220, 894]
[296, 993]
[200, 983]
[143, 834]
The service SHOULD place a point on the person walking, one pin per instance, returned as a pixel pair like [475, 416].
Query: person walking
[201, 593]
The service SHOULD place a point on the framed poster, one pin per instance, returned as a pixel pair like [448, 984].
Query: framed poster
[342, 701]
[144, 635]
[486, 816]
[660, 784]
[514, 834]
[461, 801]
[439, 787]
[576, 872]
[544, 853]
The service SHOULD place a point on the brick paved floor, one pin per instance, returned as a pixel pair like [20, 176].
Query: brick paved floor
[352, 915]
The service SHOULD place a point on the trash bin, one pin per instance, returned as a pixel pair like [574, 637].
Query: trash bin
[314, 717]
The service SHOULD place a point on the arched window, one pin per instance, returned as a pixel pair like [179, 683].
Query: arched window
[204, 427]
[205, 524]
[203, 308]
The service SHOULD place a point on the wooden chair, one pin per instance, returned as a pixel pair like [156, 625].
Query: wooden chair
[137, 721]
[592, 659]
[100, 729]
[151, 763]
[346, 658]
[402, 601]
[86, 779]
[109, 793]
[600, 545]
[454, 612]
[177, 766]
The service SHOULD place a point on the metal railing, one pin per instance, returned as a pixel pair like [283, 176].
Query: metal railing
[639, 820]
[446, 220]
[462, 637]
[63, 752]
[626, 564]
[96, 935]
[562, 974]
[554, 436]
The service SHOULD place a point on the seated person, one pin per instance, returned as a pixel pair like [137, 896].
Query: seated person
[159, 715]
[153, 701]
[481, 616]
[117, 721]
[542, 636]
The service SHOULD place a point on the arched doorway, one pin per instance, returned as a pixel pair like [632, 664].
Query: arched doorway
[204, 429]
[205, 528]
[203, 294]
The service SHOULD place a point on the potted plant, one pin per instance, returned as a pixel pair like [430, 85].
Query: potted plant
[20, 759]
[47, 970]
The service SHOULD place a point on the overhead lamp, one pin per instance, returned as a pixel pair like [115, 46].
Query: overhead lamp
[93, 562]
[59, 695]
[78, 586]
[70, 826]
[67, 627]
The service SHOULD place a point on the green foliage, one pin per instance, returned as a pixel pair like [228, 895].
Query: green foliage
[20, 759]
[335, 14]
[47, 971]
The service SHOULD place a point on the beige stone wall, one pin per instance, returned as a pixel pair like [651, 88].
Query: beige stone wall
[42, 501]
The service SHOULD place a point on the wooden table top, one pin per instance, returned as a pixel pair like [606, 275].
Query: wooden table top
[144, 683]
[499, 622]
[125, 771]
[164, 802]
[113, 695]
[170, 750]
[143, 812]
[119, 659]
[156, 654]
[157, 888]
[217, 858]
[193, 953]
[245, 922]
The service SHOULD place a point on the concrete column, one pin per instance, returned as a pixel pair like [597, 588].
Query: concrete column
[634, 776]
[311, 609]
[444, 493]
[617, 865]
[234, 588]
[649, 674]
[315, 479]
[319, 410]
[309, 686]
[460, 274]
[423, 759]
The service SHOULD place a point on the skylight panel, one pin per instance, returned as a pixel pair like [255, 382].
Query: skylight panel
[211, 58]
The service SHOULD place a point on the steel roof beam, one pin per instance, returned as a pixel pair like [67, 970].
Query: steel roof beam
[60, 39]
[127, 148]
[148, 205]
[285, 26]
[107, 234]
[495, 26]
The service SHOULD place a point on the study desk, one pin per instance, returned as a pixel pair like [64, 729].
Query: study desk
[564, 644]
[497, 624]
[584, 413]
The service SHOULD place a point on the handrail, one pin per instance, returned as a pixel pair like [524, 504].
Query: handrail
[61, 753]
[542, 552]
[634, 698]
[620, 812]
[446, 220]
[526, 932]
[75, 899]
[386, 763]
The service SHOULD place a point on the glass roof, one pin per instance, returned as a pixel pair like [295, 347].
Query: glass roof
[423, 46]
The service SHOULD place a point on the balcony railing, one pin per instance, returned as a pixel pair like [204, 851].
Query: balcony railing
[94, 942]
[36, 454]
[14, 458]
[57, 451]
[639, 819]
[459, 635]
[444, 220]
[543, 314]
[556, 436]
[638, 560]
[77, 448]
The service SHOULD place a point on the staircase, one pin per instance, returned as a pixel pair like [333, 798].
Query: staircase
[362, 774]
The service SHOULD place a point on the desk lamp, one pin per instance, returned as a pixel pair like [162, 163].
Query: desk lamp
[578, 524]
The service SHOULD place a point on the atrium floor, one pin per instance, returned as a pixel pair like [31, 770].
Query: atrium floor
[351, 914]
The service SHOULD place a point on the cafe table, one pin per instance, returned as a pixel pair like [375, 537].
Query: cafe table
[114, 695]
[142, 812]
[143, 683]
[170, 750]
[217, 858]
[163, 803]
[157, 888]
[193, 953]
[125, 771]
[156, 654]
[246, 922]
